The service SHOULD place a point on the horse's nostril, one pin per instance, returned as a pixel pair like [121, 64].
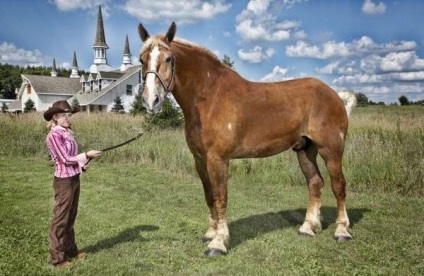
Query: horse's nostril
[156, 101]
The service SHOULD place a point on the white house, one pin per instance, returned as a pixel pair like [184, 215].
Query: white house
[95, 91]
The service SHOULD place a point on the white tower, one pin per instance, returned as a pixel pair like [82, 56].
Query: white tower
[126, 60]
[74, 74]
[53, 73]
[100, 47]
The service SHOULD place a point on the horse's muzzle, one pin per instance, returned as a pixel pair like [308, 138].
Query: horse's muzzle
[155, 107]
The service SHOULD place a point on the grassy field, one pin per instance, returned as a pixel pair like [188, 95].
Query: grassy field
[142, 210]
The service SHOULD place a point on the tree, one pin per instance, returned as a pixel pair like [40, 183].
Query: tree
[227, 61]
[118, 106]
[137, 106]
[75, 104]
[403, 100]
[29, 106]
[169, 117]
[362, 100]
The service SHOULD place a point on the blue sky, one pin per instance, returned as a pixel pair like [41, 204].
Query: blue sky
[374, 47]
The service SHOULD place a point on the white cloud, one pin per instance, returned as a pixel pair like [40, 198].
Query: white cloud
[227, 34]
[257, 22]
[400, 61]
[332, 49]
[67, 5]
[289, 3]
[255, 55]
[329, 69]
[278, 74]
[9, 53]
[408, 76]
[183, 12]
[371, 8]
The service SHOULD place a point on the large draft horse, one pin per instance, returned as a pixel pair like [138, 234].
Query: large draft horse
[228, 117]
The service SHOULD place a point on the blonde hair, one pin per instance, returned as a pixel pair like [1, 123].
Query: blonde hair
[52, 123]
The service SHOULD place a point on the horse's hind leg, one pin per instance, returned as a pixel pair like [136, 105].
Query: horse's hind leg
[307, 160]
[333, 161]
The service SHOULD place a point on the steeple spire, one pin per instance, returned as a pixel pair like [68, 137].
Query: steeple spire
[53, 73]
[100, 40]
[74, 67]
[126, 60]
[100, 47]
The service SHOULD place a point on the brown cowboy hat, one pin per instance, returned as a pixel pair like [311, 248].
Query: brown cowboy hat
[58, 107]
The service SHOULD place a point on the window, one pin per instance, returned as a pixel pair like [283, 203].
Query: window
[100, 85]
[91, 86]
[129, 89]
[29, 88]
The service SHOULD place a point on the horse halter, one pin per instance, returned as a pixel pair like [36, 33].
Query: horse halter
[167, 88]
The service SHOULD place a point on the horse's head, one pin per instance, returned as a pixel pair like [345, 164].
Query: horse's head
[158, 67]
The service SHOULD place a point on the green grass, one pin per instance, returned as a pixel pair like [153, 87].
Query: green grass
[142, 209]
[138, 220]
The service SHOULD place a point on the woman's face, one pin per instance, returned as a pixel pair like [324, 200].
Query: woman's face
[63, 119]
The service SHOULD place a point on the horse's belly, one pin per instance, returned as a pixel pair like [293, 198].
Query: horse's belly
[263, 149]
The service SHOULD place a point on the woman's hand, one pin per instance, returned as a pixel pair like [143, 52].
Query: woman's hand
[93, 153]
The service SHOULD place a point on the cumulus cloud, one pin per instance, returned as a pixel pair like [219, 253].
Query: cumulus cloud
[332, 49]
[401, 61]
[255, 55]
[9, 53]
[371, 8]
[257, 22]
[278, 74]
[184, 12]
[70, 5]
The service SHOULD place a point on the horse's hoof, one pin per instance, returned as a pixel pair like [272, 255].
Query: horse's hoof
[343, 239]
[206, 240]
[214, 252]
[303, 234]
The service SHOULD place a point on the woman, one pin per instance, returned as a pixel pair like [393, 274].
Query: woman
[68, 165]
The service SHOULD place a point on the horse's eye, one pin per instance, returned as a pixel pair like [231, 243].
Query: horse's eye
[168, 60]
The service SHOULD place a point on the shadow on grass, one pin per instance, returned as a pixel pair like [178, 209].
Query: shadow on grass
[250, 227]
[129, 234]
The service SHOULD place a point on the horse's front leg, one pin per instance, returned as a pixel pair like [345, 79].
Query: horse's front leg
[202, 171]
[217, 170]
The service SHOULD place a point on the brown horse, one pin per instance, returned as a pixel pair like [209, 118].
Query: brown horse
[228, 117]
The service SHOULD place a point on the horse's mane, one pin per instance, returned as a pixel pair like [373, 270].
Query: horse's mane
[159, 40]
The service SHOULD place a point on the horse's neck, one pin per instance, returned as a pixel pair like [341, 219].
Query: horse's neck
[193, 75]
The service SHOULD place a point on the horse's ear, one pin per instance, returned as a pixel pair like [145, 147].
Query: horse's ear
[171, 32]
[144, 34]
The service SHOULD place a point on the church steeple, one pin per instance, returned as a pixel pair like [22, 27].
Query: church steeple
[53, 73]
[100, 40]
[126, 60]
[74, 67]
[100, 47]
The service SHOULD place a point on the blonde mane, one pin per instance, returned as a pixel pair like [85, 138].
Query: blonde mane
[159, 40]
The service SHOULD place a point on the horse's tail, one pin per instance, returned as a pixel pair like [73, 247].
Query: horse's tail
[349, 99]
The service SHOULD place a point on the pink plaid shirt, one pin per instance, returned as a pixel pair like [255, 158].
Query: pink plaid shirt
[64, 152]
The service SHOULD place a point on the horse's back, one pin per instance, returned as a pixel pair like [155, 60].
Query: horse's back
[262, 119]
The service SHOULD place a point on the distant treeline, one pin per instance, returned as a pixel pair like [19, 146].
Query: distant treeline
[10, 77]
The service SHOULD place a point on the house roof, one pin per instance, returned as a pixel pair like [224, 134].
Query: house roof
[53, 85]
[85, 98]
[109, 75]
